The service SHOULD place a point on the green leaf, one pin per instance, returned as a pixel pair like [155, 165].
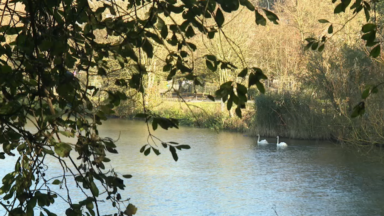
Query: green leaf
[192, 46]
[370, 36]
[260, 86]
[271, 16]
[358, 110]
[368, 27]
[166, 123]
[323, 21]
[247, 4]
[367, 15]
[142, 148]
[219, 17]
[211, 34]
[375, 52]
[183, 54]
[259, 73]
[339, 8]
[371, 43]
[154, 37]
[260, 20]
[30, 205]
[210, 97]
[330, 29]
[146, 152]
[62, 149]
[321, 48]
[365, 93]
[167, 67]
[210, 65]
[154, 124]
[252, 80]
[315, 45]
[183, 68]
[238, 112]
[230, 103]
[67, 133]
[128, 52]
[48, 151]
[135, 82]
[211, 57]
[310, 39]
[309, 45]
[56, 182]
[173, 41]
[48, 202]
[21, 147]
[163, 27]
[345, 3]
[148, 48]
[127, 176]
[357, 6]
[229, 5]
[130, 210]
[323, 39]
[367, 5]
[243, 73]
[164, 31]
[190, 32]
[184, 147]
[2, 155]
[94, 189]
[174, 154]
[241, 89]
[157, 152]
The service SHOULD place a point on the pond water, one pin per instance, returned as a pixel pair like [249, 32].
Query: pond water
[229, 174]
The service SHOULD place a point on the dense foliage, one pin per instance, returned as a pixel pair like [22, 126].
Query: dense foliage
[370, 35]
[46, 112]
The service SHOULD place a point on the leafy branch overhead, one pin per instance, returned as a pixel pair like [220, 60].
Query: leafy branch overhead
[164, 123]
[357, 7]
[369, 35]
[45, 44]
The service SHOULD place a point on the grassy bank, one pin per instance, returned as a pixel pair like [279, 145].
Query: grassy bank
[297, 117]
[204, 114]
[285, 115]
[270, 115]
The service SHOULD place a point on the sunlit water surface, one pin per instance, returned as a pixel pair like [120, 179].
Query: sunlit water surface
[229, 174]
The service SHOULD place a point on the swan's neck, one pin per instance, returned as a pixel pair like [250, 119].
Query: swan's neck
[258, 138]
[277, 140]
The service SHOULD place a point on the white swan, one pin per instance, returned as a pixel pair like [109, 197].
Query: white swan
[281, 144]
[262, 142]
